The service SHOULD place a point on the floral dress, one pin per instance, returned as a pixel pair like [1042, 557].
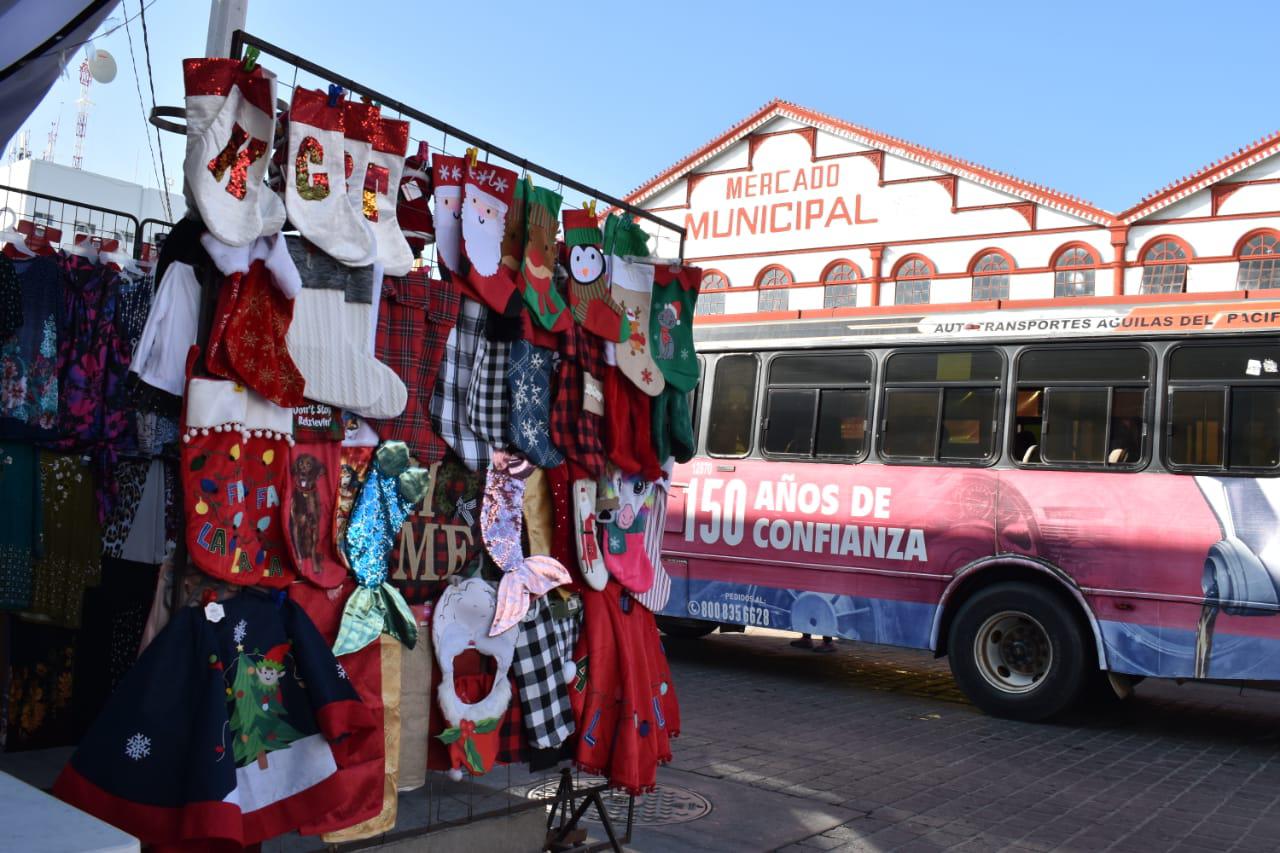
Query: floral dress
[29, 356]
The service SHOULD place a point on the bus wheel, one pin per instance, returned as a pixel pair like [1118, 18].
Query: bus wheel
[1017, 651]
[685, 629]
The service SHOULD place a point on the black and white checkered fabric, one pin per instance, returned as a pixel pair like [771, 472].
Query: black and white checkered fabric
[453, 387]
[487, 408]
[543, 648]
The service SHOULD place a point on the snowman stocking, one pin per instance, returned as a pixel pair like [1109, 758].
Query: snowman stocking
[632, 286]
[675, 292]
[624, 552]
[488, 195]
[591, 304]
[230, 122]
[382, 178]
[590, 561]
[314, 189]
[448, 173]
[329, 337]
[537, 279]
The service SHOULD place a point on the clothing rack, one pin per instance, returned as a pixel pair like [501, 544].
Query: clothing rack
[240, 40]
[74, 217]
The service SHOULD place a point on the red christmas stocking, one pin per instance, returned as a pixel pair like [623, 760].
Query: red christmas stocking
[487, 198]
[412, 210]
[314, 189]
[309, 502]
[627, 427]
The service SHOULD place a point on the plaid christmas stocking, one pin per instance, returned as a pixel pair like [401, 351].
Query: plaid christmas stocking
[537, 279]
[591, 304]
[544, 667]
[449, 401]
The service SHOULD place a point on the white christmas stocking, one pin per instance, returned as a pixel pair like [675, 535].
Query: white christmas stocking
[314, 188]
[229, 132]
[631, 286]
[448, 173]
[590, 560]
[360, 124]
[381, 188]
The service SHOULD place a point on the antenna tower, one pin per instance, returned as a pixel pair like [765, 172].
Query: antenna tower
[82, 117]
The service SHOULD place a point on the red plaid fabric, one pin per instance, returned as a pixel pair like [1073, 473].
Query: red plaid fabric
[573, 429]
[414, 321]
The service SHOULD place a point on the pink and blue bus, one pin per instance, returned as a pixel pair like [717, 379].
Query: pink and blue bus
[1059, 500]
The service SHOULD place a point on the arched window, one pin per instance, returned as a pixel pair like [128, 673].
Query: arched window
[1164, 267]
[773, 281]
[711, 293]
[839, 290]
[1259, 262]
[912, 279]
[1073, 271]
[991, 276]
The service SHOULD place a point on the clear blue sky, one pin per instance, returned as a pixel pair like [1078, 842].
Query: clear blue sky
[1106, 100]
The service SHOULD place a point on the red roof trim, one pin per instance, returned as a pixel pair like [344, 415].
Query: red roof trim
[1223, 167]
[894, 145]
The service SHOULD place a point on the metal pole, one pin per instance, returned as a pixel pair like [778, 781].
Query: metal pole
[225, 17]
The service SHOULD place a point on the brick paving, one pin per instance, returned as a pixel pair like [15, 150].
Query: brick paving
[885, 733]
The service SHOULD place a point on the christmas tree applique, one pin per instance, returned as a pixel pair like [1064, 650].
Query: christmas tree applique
[257, 720]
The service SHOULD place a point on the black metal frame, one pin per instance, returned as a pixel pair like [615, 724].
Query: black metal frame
[131, 232]
[240, 40]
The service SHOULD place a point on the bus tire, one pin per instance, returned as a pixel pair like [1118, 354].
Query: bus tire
[685, 629]
[1017, 651]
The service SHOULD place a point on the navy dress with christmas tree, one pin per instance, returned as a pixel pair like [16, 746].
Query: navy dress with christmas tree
[226, 732]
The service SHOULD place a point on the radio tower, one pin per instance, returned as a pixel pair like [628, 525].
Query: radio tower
[53, 136]
[82, 117]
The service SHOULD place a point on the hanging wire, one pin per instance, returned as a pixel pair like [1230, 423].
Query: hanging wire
[137, 82]
[146, 50]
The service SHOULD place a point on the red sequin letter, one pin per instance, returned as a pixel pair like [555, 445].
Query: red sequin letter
[311, 188]
[231, 157]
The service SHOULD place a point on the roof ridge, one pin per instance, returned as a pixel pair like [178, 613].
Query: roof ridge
[1167, 194]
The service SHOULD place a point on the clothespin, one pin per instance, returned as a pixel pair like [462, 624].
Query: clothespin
[472, 154]
[251, 58]
[590, 207]
[335, 92]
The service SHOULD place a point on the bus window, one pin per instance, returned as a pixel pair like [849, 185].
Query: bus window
[941, 406]
[807, 411]
[1224, 407]
[1081, 407]
[733, 403]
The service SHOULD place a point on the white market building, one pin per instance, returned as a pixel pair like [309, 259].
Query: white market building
[795, 213]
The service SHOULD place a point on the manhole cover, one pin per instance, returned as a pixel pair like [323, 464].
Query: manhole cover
[666, 805]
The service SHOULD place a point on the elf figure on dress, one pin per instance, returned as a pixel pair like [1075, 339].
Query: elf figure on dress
[257, 722]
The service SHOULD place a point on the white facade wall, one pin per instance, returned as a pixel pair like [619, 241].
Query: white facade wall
[749, 209]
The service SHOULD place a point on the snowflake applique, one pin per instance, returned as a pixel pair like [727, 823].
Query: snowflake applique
[444, 171]
[138, 746]
[536, 360]
[684, 352]
[238, 633]
[342, 671]
[646, 375]
[529, 429]
[457, 173]
[615, 543]
[499, 185]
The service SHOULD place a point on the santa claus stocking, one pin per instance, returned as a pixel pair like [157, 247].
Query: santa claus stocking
[675, 292]
[448, 173]
[382, 178]
[315, 189]
[412, 210]
[487, 198]
[230, 122]
[632, 286]
[590, 302]
[590, 560]
[537, 272]
[624, 552]
[329, 338]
